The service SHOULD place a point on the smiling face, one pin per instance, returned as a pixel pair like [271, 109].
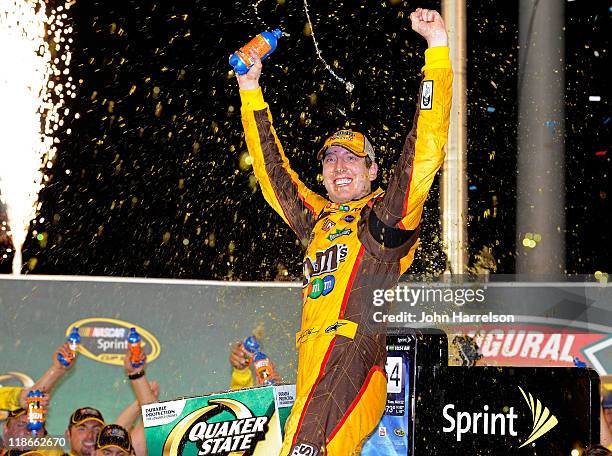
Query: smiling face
[83, 437]
[346, 176]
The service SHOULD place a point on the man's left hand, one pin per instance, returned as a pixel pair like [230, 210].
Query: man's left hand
[127, 363]
[429, 24]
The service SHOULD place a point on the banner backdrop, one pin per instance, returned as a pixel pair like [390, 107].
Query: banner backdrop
[187, 328]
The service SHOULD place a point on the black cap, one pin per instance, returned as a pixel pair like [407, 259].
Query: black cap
[114, 435]
[83, 414]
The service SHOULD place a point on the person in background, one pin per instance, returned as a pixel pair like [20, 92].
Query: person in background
[15, 429]
[14, 400]
[86, 423]
[242, 376]
[114, 440]
[84, 427]
[146, 393]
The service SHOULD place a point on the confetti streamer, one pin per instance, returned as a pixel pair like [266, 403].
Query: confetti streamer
[349, 85]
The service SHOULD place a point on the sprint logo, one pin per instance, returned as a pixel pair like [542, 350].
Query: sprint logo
[486, 422]
[543, 420]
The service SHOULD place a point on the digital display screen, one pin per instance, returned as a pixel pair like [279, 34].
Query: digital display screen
[390, 438]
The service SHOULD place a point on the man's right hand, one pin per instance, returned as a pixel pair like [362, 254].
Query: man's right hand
[237, 357]
[127, 363]
[250, 80]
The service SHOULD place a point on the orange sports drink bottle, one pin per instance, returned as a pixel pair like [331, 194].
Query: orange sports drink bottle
[263, 44]
[74, 341]
[263, 369]
[134, 345]
[36, 412]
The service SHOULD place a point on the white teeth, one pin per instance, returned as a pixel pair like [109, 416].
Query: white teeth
[342, 182]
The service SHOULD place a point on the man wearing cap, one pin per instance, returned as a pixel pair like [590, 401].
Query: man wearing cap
[83, 429]
[113, 440]
[15, 402]
[359, 240]
[16, 431]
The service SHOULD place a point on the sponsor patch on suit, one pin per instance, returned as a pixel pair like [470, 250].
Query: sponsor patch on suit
[304, 449]
[427, 95]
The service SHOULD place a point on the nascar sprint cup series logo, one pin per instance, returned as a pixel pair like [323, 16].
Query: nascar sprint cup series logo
[234, 437]
[105, 339]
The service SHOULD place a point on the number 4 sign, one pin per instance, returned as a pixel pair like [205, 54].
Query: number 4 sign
[395, 374]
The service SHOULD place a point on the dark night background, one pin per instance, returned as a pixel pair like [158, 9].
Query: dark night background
[149, 183]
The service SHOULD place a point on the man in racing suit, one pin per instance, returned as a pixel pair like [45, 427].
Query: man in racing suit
[358, 240]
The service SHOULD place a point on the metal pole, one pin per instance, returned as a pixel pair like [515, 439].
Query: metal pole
[540, 211]
[453, 184]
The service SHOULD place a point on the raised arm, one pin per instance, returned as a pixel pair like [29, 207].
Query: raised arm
[128, 415]
[297, 205]
[51, 377]
[146, 393]
[142, 389]
[423, 151]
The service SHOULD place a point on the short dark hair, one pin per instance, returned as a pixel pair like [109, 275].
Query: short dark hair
[597, 450]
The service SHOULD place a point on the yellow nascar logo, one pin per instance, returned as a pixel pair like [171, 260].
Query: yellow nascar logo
[105, 339]
[543, 420]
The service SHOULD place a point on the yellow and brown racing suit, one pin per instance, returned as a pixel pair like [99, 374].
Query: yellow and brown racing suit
[353, 249]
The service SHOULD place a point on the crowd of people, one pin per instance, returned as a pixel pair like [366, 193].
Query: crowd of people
[88, 433]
